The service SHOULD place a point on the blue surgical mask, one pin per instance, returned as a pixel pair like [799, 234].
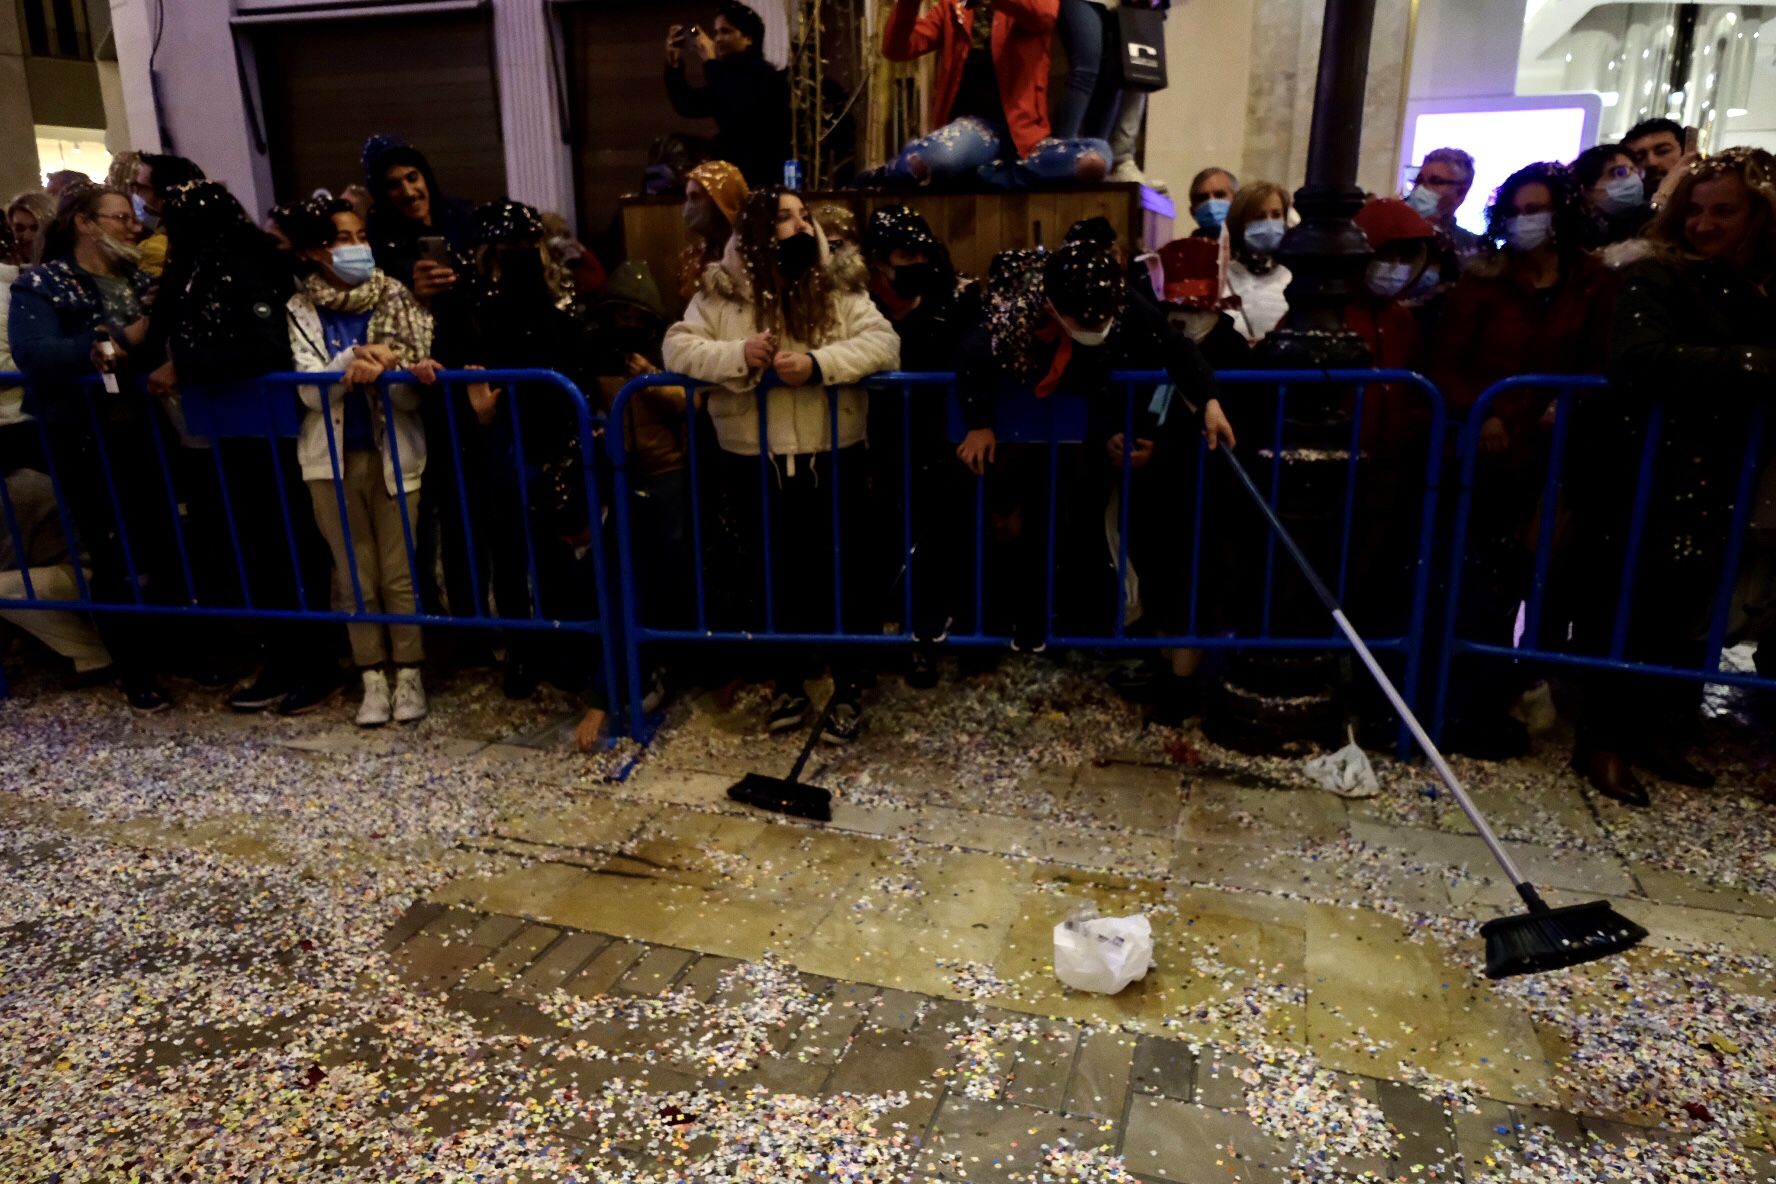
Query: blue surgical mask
[1526, 232]
[1210, 214]
[353, 264]
[1388, 280]
[1425, 284]
[1266, 236]
[147, 217]
[1424, 199]
[1622, 194]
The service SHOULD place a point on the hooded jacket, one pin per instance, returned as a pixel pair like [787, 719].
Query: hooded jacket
[394, 237]
[654, 433]
[1022, 33]
[709, 345]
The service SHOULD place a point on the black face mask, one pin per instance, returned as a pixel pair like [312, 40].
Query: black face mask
[914, 279]
[796, 254]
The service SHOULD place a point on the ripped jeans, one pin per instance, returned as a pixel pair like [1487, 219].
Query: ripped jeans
[973, 145]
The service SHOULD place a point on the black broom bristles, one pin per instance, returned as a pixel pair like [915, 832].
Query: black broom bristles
[1553, 939]
[783, 796]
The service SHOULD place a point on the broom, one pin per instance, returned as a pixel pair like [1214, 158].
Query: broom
[787, 795]
[1542, 939]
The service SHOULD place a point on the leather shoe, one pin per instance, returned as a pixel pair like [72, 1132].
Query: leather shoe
[1670, 764]
[1611, 776]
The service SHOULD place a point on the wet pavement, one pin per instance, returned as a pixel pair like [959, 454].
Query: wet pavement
[261, 949]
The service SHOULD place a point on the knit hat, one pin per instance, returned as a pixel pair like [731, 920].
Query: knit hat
[1389, 220]
[897, 228]
[1083, 281]
[725, 185]
[1092, 230]
[837, 221]
[507, 222]
[1192, 275]
[632, 283]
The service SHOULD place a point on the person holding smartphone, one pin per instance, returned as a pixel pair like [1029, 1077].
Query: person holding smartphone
[83, 313]
[409, 215]
[746, 96]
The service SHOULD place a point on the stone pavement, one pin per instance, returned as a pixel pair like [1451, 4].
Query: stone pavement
[460, 952]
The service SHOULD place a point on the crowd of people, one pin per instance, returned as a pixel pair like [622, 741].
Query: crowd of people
[142, 309]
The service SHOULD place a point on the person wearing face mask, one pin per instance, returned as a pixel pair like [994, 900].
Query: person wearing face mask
[154, 176]
[348, 316]
[915, 285]
[714, 193]
[768, 324]
[1211, 198]
[1540, 306]
[1616, 208]
[1444, 181]
[1256, 223]
[1063, 323]
[81, 312]
[1693, 335]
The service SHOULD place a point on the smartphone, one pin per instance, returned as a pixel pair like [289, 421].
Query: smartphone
[433, 249]
[107, 351]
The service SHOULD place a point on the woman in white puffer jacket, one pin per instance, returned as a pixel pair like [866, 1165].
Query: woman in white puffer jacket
[768, 323]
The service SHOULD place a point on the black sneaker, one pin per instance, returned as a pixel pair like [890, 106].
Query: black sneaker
[922, 671]
[147, 698]
[264, 691]
[788, 712]
[655, 691]
[843, 723]
[316, 692]
[206, 675]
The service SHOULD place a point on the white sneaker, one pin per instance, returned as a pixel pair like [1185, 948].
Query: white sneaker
[373, 712]
[410, 700]
[1128, 170]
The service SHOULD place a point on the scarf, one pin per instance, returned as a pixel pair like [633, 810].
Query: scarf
[396, 318]
[1053, 331]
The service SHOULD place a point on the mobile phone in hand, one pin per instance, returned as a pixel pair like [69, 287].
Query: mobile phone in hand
[434, 249]
[108, 352]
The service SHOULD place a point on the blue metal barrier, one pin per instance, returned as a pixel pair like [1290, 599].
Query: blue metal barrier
[1568, 393]
[1046, 424]
[272, 421]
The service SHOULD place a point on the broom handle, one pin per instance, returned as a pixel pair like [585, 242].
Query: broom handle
[795, 773]
[1387, 687]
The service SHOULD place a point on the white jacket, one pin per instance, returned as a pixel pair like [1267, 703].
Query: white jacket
[308, 339]
[710, 345]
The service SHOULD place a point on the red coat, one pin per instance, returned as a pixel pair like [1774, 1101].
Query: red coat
[1396, 418]
[1022, 32]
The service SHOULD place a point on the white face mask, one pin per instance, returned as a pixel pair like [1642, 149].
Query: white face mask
[1622, 194]
[1196, 323]
[1092, 337]
[1526, 232]
[1388, 279]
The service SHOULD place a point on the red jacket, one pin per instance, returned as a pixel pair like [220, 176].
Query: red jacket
[1022, 31]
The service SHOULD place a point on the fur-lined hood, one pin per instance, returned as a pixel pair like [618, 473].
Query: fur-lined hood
[727, 278]
[1629, 251]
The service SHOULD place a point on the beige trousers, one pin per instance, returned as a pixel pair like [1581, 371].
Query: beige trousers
[380, 546]
[69, 634]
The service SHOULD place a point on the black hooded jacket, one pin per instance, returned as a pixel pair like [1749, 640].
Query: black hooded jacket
[394, 237]
[749, 100]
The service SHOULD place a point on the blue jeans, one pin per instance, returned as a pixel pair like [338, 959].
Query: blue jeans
[972, 145]
[1089, 104]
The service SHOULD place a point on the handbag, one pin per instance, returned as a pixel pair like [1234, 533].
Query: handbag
[1142, 60]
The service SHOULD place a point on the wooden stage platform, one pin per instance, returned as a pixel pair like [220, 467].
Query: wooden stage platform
[976, 226]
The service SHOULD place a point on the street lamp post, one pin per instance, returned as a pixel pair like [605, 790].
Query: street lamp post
[1270, 700]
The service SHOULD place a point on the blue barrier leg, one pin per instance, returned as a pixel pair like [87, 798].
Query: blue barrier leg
[1743, 497]
[462, 505]
[1118, 622]
[388, 427]
[1421, 576]
[1551, 486]
[610, 631]
[345, 530]
[240, 563]
[1636, 526]
[283, 492]
[622, 493]
[530, 555]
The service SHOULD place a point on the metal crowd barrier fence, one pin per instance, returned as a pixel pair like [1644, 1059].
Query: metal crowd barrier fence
[1601, 545]
[138, 471]
[1057, 441]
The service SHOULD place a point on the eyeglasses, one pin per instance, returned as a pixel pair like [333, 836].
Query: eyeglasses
[1620, 171]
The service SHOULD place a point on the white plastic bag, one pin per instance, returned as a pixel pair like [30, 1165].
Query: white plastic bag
[1103, 954]
[1346, 772]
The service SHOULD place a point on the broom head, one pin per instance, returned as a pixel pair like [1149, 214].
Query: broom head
[783, 796]
[1552, 939]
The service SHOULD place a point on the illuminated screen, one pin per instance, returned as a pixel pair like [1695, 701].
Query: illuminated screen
[1501, 142]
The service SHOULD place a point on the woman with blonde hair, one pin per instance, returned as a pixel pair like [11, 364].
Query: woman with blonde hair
[1693, 339]
[1256, 222]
